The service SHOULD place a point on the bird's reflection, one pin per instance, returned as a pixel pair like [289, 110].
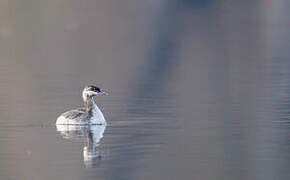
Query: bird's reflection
[91, 134]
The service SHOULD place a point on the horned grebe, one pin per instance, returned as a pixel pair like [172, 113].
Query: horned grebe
[91, 114]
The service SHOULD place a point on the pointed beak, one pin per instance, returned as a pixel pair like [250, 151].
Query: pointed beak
[101, 93]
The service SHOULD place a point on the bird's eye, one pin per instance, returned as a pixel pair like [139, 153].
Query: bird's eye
[95, 90]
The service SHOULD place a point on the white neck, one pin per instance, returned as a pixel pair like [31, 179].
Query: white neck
[95, 114]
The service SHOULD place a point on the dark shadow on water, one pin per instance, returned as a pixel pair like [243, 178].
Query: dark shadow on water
[280, 85]
[154, 80]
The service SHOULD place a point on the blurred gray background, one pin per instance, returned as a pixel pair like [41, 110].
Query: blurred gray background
[199, 89]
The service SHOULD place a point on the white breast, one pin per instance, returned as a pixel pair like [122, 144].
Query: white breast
[98, 117]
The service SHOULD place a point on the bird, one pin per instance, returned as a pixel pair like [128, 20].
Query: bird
[89, 115]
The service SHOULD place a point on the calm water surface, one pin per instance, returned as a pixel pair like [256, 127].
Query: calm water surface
[197, 89]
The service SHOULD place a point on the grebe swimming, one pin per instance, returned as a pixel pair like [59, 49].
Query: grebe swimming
[90, 115]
